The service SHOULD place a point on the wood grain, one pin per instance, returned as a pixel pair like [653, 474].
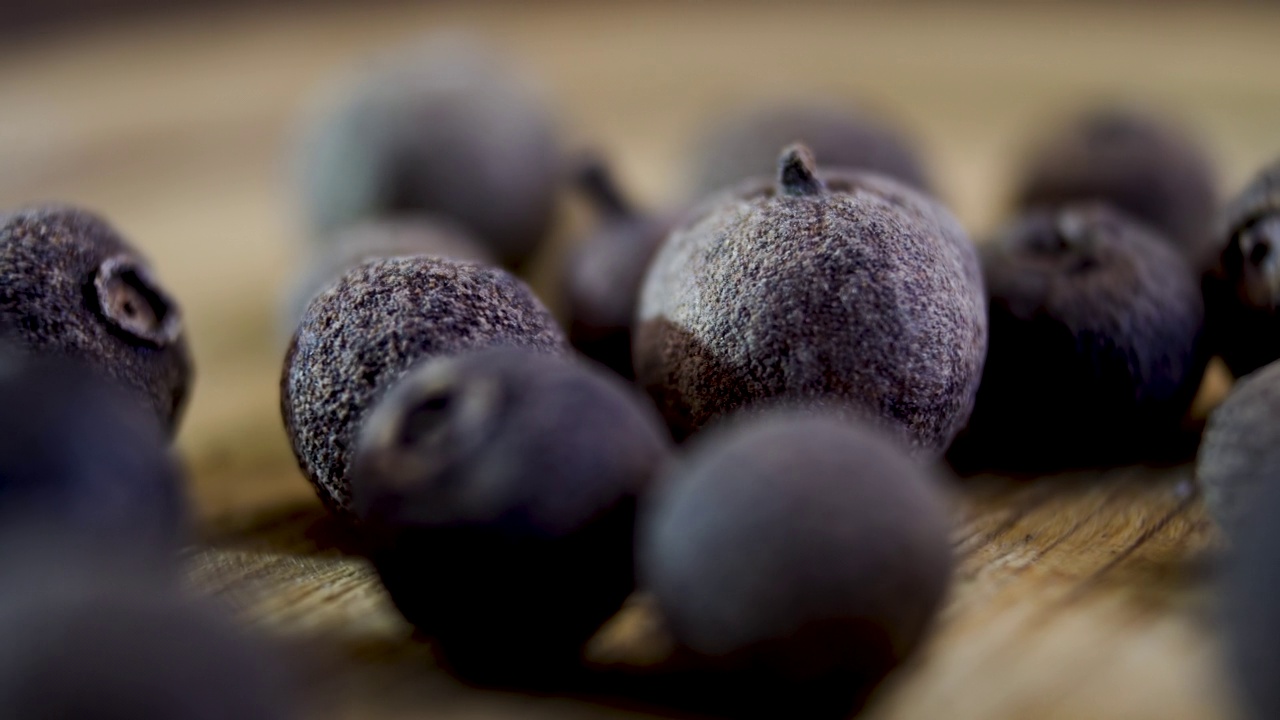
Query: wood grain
[1076, 597]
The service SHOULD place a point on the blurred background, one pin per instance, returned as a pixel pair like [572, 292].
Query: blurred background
[178, 122]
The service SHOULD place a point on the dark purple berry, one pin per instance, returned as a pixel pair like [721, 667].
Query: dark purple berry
[840, 289]
[497, 493]
[1096, 350]
[71, 286]
[604, 271]
[744, 145]
[89, 635]
[81, 453]
[444, 127]
[369, 327]
[804, 552]
[1141, 164]
[1242, 293]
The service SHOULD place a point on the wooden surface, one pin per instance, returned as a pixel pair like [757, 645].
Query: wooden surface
[1076, 597]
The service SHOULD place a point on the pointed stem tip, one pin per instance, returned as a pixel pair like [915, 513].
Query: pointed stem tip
[596, 181]
[797, 173]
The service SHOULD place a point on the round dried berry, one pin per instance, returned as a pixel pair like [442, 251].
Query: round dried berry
[838, 289]
[70, 285]
[497, 492]
[375, 322]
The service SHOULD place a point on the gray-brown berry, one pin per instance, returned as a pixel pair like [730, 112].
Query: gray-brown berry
[1240, 453]
[496, 490]
[1142, 164]
[743, 145]
[405, 235]
[443, 127]
[368, 328]
[71, 286]
[806, 552]
[840, 289]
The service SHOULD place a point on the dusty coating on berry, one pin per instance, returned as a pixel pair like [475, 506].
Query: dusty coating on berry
[406, 235]
[1140, 163]
[445, 126]
[373, 324]
[73, 287]
[1240, 453]
[801, 543]
[498, 491]
[743, 145]
[866, 294]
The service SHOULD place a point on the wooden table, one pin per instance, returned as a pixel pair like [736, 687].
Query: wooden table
[1077, 597]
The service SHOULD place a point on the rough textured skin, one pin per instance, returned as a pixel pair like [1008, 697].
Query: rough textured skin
[1096, 349]
[80, 453]
[367, 329]
[87, 636]
[497, 489]
[1249, 615]
[799, 546]
[1141, 164]
[50, 260]
[1242, 293]
[603, 272]
[444, 127]
[1240, 454]
[417, 235]
[745, 144]
[866, 294]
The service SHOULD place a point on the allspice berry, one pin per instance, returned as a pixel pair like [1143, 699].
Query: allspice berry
[446, 127]
[405, 235]
[1240, 452]
[71, 286]
[839, 289]
[806, 553]
[496, 490]
[81, 454]
[1142, 164]
[1242, 293]
[1096, 343]
[604, 271]
[369, 327]
[742, 145]
[1249, 617]
[91, 635]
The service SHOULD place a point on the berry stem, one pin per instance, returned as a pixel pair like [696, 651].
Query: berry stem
[797, 173]
[596, 182]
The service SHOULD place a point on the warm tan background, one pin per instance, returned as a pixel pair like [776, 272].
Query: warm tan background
[1075, 599]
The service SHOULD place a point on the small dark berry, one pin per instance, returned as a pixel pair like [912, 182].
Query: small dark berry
[497, 490]
[1242, 293]
[70, 285]
[836, 288]
[379, 239]
[79, 452]
[1096, 350]
[604, 271]
[1141, 164]
[1240, 453]
[369, 327]
[444, 127]
[808, 551]
[742, 145]
[86, 636]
